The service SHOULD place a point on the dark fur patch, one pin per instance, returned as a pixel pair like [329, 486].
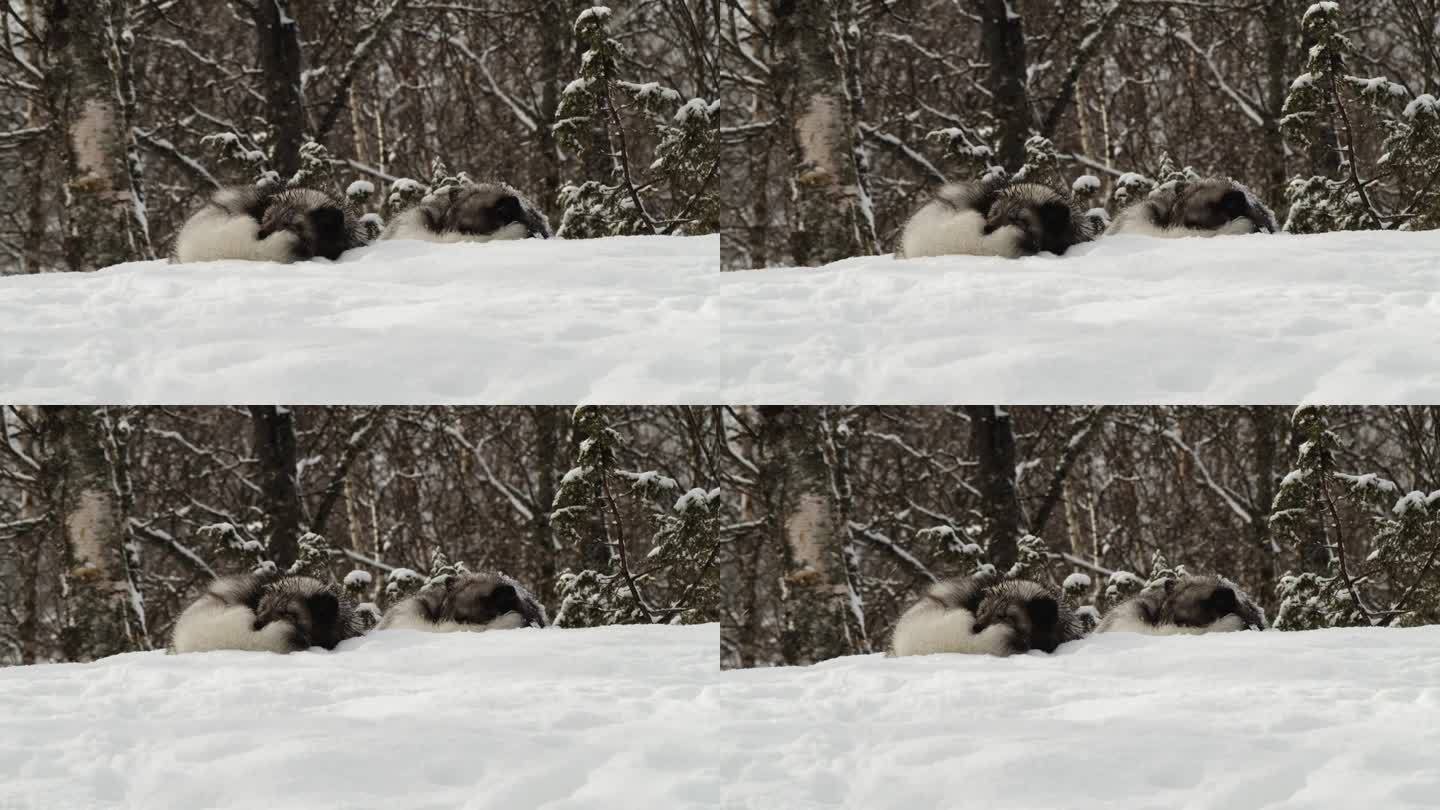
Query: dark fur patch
[1196, 601]
[1037, 617]
[1045, 218]
[320, 616]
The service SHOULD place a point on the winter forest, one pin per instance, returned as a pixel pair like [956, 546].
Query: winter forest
[112, 519]
[120, 117]
[1327, 517]
[839, 117]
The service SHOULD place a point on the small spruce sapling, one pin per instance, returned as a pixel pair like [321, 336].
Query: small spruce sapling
[1392, 186]
[589, 120]
[238, 548]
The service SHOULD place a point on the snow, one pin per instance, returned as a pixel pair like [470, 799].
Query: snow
[1125, 578]
[693, 497]
[698, 108]
[1076, 581]
[1325, 7]
[1322, 719]
[649, 479]
[599, 13]
[363, 188]
[357, 578]
[1340, 317]
[1423, 103]
[650, 91]
[608, 717]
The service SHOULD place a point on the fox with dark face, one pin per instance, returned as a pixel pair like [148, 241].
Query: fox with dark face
[1213, 206]
[994, 219]
[471, 212]
[250, 612]
[288, 226]
[985, 614]
[313, 222]
[1189, 605]
[472, 602]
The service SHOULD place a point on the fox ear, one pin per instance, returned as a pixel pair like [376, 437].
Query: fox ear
[1223, 601]
[324, 608]
[505, 599]
[327, 219]
[1234, 204]
[1055, 217]
[1044, 611]
[508, 207]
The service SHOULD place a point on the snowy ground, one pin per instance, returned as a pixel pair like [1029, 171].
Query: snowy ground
[639, 718]
[1243, 721]
[398, 720]
[1346, 317]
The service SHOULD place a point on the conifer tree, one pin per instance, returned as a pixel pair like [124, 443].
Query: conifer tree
[1392, 187]
[589, 123]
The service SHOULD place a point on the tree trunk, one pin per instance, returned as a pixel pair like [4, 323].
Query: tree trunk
[1324, 151]
[805, 521]
[1277, 27]
[274, 432]
[554, 26]
[831, 213]
[89, 519]
[993, 442]
[1265, 421]
[278, 44]
[90, 91]
[547, 428]
[1002, 38]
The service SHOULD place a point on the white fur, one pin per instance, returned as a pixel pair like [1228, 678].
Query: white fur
[210, 624]
[928, 628]
[1127, 620]
[407, 616]
[1142, 226]
[213, 234]
[409, 225]
[938, 229]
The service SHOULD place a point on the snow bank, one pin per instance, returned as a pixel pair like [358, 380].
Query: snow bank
[1325, 719]
[398, 719]
[535, 321]
[1345, 317]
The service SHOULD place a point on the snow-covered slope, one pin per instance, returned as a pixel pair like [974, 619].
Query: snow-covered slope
[398, 720]
[639, 718]
[1328, 719]
[397, 322]
[1346, 317]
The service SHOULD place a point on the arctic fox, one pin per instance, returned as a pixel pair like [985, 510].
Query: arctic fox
[248, 612]
[472, 602]
[473, 212]
[987, 615]
[1213, 206]
[247, 223]
[1188, 605]
[994, 219]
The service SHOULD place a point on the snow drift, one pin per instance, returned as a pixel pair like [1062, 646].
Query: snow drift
[1234, 721]
[1343, 317]
[610, 717]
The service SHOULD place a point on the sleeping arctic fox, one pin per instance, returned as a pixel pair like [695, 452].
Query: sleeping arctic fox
[1189, 605]
[472, 602]
[985, 614]
[249, 612]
